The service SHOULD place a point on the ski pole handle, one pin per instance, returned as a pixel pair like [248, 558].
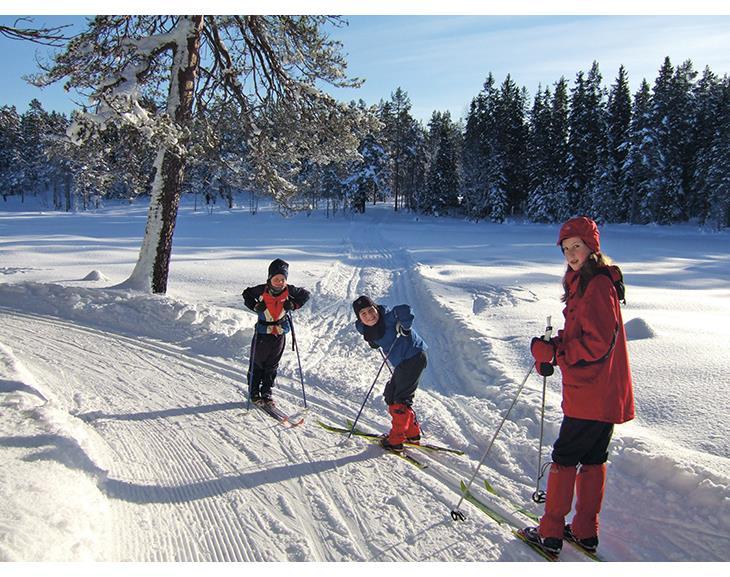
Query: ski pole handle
[548, 329]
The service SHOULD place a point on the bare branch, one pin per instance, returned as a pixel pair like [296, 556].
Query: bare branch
[46, 36]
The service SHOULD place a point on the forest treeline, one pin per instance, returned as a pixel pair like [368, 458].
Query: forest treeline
[659, 155]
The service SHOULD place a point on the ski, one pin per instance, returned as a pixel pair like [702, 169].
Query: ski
[286, 421]
[518, 509]
[375, 439]
[361, 433]
[483, 507]
[501, 519]
[519, 533]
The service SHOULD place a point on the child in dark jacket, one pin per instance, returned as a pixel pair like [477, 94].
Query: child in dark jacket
[272, 301]
[392, 331]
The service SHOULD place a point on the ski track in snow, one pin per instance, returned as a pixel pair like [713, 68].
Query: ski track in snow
[191, 476]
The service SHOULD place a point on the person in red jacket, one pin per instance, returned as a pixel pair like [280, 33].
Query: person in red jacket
[597, 391]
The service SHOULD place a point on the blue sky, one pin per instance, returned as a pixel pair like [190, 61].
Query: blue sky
[442, 61]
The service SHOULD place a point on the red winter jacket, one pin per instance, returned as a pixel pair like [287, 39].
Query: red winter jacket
[592, 354]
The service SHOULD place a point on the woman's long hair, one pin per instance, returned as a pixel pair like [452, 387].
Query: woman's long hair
[589, 269]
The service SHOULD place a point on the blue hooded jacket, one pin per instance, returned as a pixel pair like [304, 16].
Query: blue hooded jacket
[403, 347]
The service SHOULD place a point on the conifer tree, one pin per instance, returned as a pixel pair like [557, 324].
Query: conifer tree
[619, 124]
[587, 129]
[443, 179]
[10, 151]
[540, 197]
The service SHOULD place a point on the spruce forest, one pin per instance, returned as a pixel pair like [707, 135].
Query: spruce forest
[659, 155]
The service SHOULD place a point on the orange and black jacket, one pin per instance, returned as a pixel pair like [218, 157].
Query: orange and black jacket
[273, 320]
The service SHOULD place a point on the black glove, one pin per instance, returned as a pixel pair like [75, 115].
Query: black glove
[401, 331]
[260, 307]
[373, 345]
[289, 305]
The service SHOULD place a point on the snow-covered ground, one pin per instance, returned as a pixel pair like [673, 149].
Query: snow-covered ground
[124, 434]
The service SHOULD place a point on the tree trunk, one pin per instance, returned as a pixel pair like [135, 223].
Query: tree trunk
[153, 266]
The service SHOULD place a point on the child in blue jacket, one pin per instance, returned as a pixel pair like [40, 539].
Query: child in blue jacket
[391, 330]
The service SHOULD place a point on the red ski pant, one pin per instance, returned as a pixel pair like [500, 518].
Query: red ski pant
[404, 424]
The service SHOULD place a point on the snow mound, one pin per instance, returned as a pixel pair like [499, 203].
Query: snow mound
[637, 329]
[199, 328]
[96, 275]
[51, 465]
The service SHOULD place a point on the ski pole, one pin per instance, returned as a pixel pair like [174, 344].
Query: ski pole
[295, 346]
[539, 496]
[251, 364]
[375, 380]
[386, 364]
[457, 515]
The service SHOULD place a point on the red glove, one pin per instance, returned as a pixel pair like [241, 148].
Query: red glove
[544, 354]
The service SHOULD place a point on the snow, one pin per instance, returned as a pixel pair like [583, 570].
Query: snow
[124, 434]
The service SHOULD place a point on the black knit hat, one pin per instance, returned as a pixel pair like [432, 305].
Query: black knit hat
[278, 266]
[360, 303]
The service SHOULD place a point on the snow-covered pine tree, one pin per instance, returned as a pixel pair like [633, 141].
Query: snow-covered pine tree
[34, 136]
[481, 163]
[443, 175]
[399, 135]
[671, 117]
[640, 166]
[708, 110]
[711, 174]
[617, 148]
[539, 197]
[10, 151]
[558, 162]
[267, 65]
[368, 175]
[510, 194]
[587, 130]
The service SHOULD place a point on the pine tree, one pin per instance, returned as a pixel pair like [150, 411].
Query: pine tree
[34, 132]
[707, 95]
[539, 198]
[443, 178]
[367, 179]
[713, 178]
[619, 124]
[642, 164]
[558, 151]
[511, 193]
[482, 160]
[10, 151]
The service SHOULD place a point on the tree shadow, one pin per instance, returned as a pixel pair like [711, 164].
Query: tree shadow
[161, 414]
[147, 494]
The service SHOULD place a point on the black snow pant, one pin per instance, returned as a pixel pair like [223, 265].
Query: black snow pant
[582, 441]
[403, 384]
[267, 355]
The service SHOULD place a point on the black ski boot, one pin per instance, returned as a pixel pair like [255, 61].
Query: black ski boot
[552, 545]
[385, 443]
[590, 544]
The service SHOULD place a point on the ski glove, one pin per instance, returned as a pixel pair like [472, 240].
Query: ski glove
[401, 331]
[289, 305]
[373, 344]
[260, 307]
[544, 354]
